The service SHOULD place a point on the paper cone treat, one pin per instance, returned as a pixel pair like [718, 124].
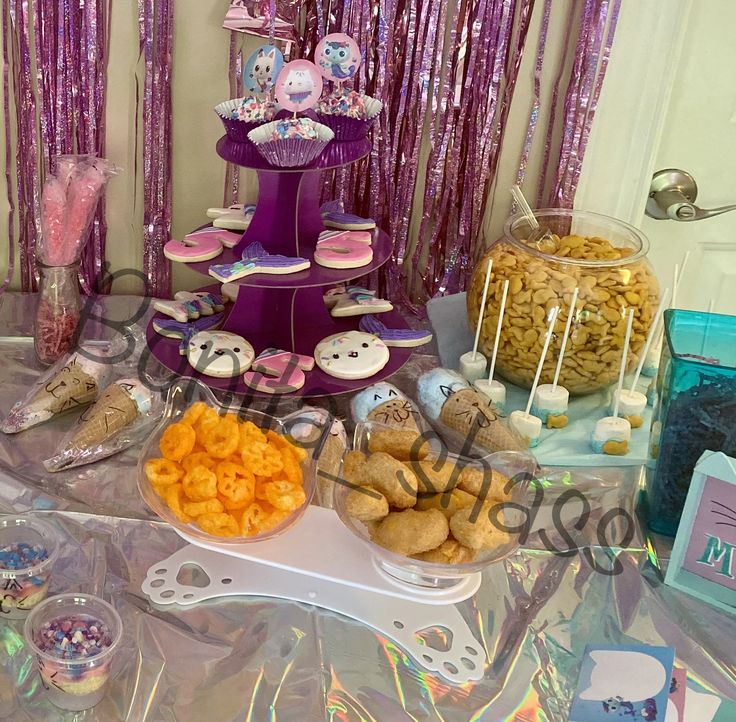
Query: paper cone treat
[75, 385]
[330, 460]
[385, 404]
[119, 406]
[447, 397]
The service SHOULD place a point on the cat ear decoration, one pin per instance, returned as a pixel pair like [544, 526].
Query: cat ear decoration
[446, 391]
[366, 404]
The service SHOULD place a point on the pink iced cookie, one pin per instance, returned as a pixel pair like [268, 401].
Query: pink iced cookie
[342, 253]
[359, 236]
[278, 372]
[198, 246]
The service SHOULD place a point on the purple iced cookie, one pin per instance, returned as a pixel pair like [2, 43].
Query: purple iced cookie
[394, 336]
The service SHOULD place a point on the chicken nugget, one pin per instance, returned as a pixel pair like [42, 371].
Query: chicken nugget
[412, 532]
[484, 482]
[402, 444]
[447, 502]
[478, 529]
[353, 468]
[450, 551]
[366, 504]
[435, 476]
[393, 479]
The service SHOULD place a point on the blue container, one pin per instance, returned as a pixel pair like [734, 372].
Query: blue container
[695, 409]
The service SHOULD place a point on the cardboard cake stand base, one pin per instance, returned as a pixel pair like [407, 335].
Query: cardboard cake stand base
[322, 563]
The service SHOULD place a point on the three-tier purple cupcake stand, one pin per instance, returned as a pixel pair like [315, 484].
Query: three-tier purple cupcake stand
[288, 311]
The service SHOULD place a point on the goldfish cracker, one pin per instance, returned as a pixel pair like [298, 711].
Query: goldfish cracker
[175, 499]
[200, 484]
[262, 458]
[222, 440]
[235, 483]
[252, 520]
[162, 472]
[197, 508]
[284, 495]
[193, 413]
[177, 441]
[198, 458]
[206, 422]
[218, 524]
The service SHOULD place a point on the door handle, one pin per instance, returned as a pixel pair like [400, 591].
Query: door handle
[672, 196]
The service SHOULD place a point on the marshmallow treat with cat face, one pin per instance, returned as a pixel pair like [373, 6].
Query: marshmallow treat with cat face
[385, 404]
[262, 69]
[220, 354]
[299, 85]
[351, 355]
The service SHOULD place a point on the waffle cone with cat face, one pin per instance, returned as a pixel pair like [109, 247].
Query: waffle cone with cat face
[384, 404]
[468, 413]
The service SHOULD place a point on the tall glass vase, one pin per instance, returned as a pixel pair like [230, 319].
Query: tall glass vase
[58, 312]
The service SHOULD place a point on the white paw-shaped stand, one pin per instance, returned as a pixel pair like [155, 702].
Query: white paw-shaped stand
[320, 562]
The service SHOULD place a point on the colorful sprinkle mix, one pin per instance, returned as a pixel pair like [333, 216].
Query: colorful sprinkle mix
[22, 555]
[74, 637]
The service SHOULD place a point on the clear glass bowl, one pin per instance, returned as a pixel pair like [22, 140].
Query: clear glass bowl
[518, 467]
[543, 276]
[309, 428]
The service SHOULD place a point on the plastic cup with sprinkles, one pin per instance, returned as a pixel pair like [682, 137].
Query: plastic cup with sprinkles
[28, 550]
[74, 638]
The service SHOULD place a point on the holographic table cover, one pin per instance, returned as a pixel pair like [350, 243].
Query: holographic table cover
[258, 659]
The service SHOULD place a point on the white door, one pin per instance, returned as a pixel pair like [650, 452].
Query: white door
[669, 101]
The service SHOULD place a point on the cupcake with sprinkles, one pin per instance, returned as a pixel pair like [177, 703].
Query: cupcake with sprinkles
[74, 637]
[291, 142]
[348, 114]
[28, 550]
[241, 115]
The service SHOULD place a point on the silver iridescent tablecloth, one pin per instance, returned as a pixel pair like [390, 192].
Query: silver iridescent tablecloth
[263, 659]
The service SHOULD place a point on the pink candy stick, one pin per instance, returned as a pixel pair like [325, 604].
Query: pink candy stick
[53, 212]
[84, 193]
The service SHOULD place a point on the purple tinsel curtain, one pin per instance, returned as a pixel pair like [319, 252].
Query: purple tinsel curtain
[446, 73]
[57, 54]
[156, 23]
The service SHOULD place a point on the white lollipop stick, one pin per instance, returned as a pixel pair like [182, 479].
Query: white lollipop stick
[550, 329]
[711, 305]
[675, 282]
[524, 207]
[501, 311]
[570, 314]
[482, 307]
[624, 356]
[653, 333]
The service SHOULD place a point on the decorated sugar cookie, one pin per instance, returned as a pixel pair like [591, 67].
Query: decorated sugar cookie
[235, 218]
[220, 354]
[262, 68]
[299, 85]
[197, 246]
[278, 372]
[230, 291]
[342, 253]
[207, 303]
[346, 221]
[400, 337]
[338, 57]
[359, 236]
[257, 260]
[351, 355]
[333, 295]
[357, 301]
[385, 404]
[181, 311]
[184, 331]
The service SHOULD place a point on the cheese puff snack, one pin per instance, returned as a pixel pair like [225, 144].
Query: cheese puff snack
[197, 508]
[223, 439]
[393, 479]
[198, 458]
[173, 495]
[284, 495]
[177, 442]
[206, 422]
[412, 532]
[200, 484]
[162, 472]
[218, 524]
[194, 412]
[236, 484]
[262, 458]
[253, 519]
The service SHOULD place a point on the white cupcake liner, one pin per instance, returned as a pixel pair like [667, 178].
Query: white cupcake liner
[290, 152]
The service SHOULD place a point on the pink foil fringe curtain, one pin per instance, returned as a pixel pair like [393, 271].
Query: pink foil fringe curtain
[156, 23]
[451, 69]
[57, 53]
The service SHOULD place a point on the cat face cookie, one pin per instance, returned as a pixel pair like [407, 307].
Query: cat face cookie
[351, 355]
[220, 354]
